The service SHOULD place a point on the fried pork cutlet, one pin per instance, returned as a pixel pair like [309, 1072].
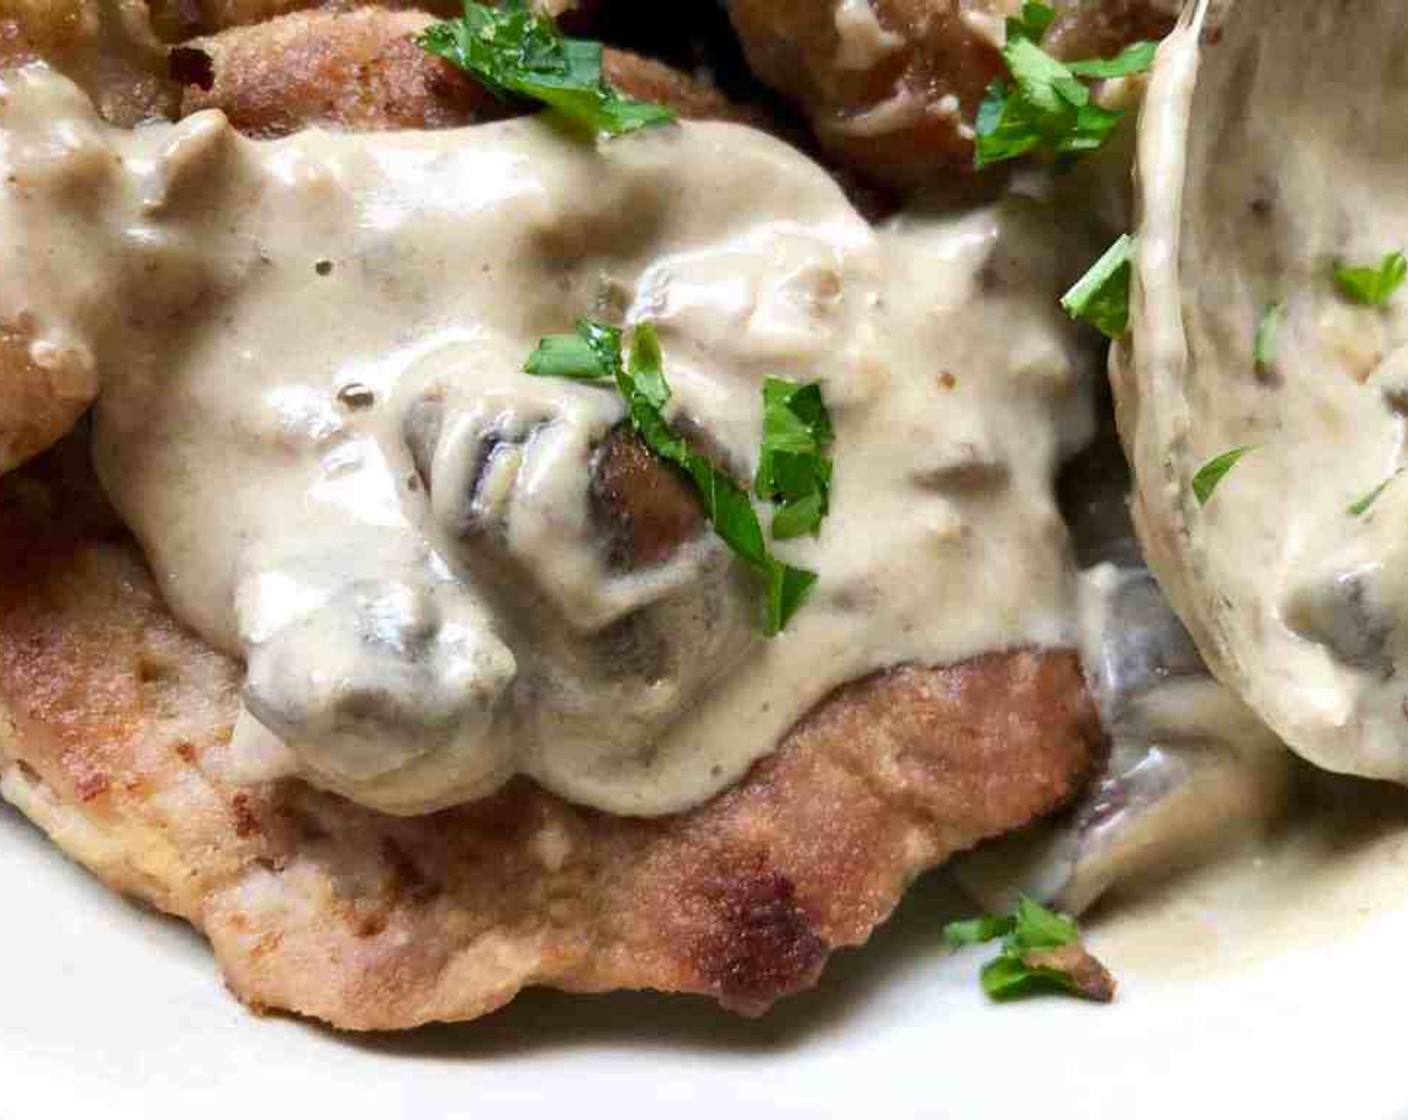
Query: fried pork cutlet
[106, 46]
[362, 70]
[115, 726]
[184, 19]
[354, 70]
[892, 87]
[114, 732]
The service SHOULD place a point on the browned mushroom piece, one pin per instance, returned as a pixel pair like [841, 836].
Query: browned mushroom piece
[646, 507]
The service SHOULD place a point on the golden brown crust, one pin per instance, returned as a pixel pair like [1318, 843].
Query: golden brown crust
[897, 114]
[38, 404]
[902, 108]
[362, 70]
[106, 46]
[1100, 28]
[117, 740]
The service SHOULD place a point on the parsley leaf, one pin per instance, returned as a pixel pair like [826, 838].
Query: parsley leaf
[788, 587]
[794, 471]
[1361, 507]
[1041, 952]
[594, 353]
[1046, 106]
[1214, 470]
[591, 354]
[1101, 296]
[1033, 22]
[1370, 285]
[1268, 336]
[1134, 59]
[1036, 927]
[514, 50]
[974, 931]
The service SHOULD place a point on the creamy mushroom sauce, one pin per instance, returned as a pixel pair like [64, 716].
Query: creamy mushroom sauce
[315, 420]
[1267, 154]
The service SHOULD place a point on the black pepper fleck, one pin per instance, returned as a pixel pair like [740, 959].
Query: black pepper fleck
[323, 268]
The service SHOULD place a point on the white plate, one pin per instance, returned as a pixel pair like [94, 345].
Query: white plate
[108, 1011]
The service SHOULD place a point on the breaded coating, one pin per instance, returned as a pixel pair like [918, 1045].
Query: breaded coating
[177, 20]
[184, 19]
[363, 70]
[1099, 28]
[892, 87]
[106, 46]
[38, 403]
[114, 731]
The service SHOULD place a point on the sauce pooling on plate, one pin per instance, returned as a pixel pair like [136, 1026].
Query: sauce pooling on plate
[314, 417]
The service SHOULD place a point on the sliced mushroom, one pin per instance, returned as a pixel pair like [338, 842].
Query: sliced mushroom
[1190, 771]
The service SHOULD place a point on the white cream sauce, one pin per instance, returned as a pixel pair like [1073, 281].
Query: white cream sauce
[277, 324]
[1333, 862]
[1268, 155]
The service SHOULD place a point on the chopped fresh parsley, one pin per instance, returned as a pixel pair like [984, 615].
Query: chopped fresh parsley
[975, 931]
[512, 50]
[1134, 59]
[1046, 107]
[1034, 21]
[1041, 952]
[594, 354]
[1214, 470]
[1268, 336]
[794, 471]
[1370, 285]
[1101, 296]
[589, 355]
[1361, 507]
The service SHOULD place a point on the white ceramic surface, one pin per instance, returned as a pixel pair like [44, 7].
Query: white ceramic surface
[110, 1012]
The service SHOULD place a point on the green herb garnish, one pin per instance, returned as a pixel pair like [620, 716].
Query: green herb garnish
[1268, 336]
[1134, 59]
[1041, 952]
[1370, 285]
[1214, 470]
[794, 471]
[1360, 507]
[975, 931]
[1034, 21]
[511, 50]
[594, 354]
[1101, 296]
[591, 354]
[1046, 107]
